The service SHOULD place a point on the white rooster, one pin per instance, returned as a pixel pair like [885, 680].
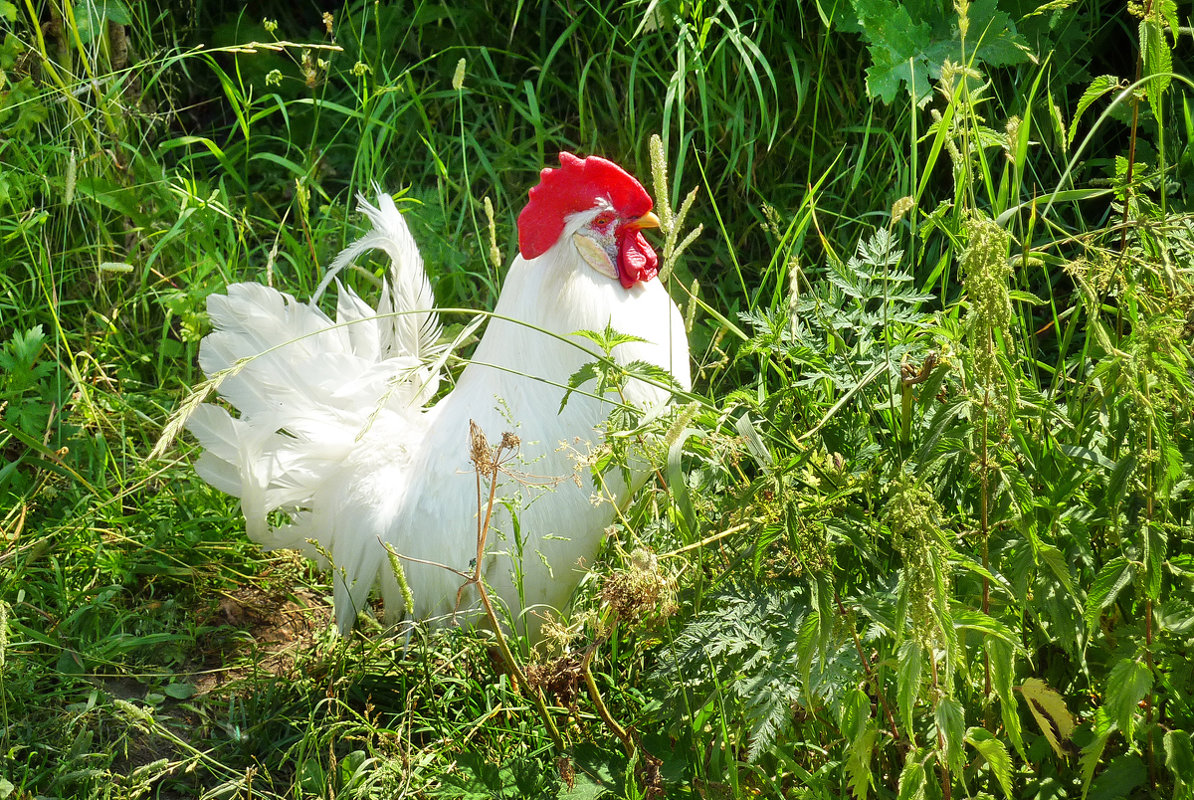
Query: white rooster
[333, 428]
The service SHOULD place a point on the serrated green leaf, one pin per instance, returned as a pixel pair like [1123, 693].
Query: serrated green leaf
[1128, 683]
[607, 339]
[1117, 484]
[855, 711]
[806, 644]
[1097, 88]
[1179, 759]
[1092, 752]
[652, 372]
[1001, 658]
[995, 754]
[858, 760]
[1158, 62]
[1056, 561]
[943, 417]
[951, 724]
[1112, 578]
[1174, 615]
[1087, 454]
[911, 660]
[587, 372]
[909, 42]
[1058, 123]
[1156, 548]
[1024, 296]
[912, 779]
[973, 620]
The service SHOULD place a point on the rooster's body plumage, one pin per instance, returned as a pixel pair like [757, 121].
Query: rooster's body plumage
[335, 431]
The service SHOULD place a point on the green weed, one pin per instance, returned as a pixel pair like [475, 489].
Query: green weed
[923, 530]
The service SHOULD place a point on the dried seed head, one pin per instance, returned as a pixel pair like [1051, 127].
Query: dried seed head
[480, 453]
[558, 678]
[640, 591]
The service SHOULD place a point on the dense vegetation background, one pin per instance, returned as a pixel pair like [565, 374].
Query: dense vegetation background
[927, 533]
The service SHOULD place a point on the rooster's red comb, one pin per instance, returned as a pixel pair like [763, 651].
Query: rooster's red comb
[574, 187]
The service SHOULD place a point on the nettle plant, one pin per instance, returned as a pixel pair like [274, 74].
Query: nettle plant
[968, 567]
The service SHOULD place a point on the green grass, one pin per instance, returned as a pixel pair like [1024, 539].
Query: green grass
[941, 469]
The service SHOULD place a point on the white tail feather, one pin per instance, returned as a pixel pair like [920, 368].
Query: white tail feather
[308, 388]
[414, 328]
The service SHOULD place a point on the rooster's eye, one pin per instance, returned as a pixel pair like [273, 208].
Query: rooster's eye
[602, 220]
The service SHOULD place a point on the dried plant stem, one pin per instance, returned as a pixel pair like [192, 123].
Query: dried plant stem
[489, 463]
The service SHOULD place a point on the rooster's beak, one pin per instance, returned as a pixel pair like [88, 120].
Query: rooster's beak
[648, 220]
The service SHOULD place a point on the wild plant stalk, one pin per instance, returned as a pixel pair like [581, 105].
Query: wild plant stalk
[872, 678]
[671, 223]
[487, 463]
[986, 267]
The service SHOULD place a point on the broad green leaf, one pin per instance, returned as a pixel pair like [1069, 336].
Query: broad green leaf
[585, 788]
[122, 200]
[1156, 544]
[997, 580]
[1050, 712]
[1087, 454]
[1128, 683]
[1056, 561]
[1117, 484]
[676, 482]
[607, 339]
[995, 754]
[856, 711]
[649, 372]
[806, 644]
[179, 691]
[1174, 615]
[910, 40]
